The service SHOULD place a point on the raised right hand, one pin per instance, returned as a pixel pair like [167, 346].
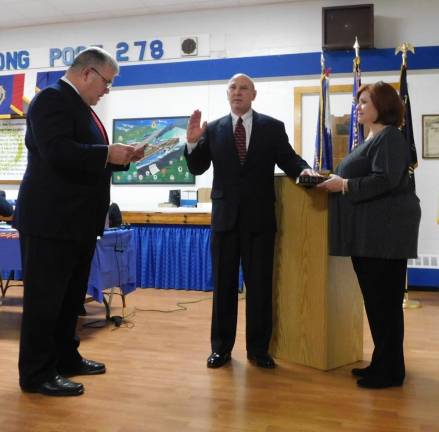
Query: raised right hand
[194, 128]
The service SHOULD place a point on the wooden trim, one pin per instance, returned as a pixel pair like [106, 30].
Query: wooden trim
[299, 92]
[10, 182]
[131, 217]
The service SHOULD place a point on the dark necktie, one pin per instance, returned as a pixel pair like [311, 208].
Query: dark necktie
[239, 136]
[99, 125]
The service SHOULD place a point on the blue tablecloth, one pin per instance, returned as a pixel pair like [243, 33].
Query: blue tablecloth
[158, 256]
[113, 265]
[10, 256]
[174, 256]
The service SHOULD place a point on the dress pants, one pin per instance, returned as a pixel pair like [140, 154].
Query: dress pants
[382, 282]
[55, 277]
[255, 251]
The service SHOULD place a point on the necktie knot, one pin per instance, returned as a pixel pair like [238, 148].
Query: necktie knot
[240, 140]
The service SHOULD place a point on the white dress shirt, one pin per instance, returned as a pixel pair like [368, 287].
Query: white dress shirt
[66, 80]
[247, 122]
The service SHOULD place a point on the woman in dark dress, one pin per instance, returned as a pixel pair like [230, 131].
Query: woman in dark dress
[374, 219]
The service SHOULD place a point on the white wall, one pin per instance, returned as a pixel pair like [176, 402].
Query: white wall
[248, 31]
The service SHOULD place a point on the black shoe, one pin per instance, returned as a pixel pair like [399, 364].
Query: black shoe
[377, 382]
[216, 360]
[262, 360]
[57, 386]
[361, 372]
[85, 367]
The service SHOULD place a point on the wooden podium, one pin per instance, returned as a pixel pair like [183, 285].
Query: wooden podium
[317, 303]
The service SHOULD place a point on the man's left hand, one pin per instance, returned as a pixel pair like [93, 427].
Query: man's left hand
[139, 152]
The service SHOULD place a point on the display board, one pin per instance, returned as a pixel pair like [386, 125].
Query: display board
[163, 162]
[13, 152]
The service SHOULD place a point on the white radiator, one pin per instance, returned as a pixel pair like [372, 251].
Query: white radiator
[424, 261]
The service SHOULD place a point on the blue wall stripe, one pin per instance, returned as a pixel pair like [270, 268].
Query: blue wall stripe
[378, 60]
[303, 64]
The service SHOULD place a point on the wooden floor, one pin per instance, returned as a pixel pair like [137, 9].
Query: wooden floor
[157, 379]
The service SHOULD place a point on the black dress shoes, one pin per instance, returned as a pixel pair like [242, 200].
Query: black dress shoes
[57, 386]
[262, 360]
[216, 360]
[361, 372]
[377, 382]
[85, 367]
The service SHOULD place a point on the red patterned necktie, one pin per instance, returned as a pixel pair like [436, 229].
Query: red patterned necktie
[99, 125]
[240, 144]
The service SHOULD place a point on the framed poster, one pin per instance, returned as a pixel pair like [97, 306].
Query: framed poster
[13, 152]
[163, 162]
[430, 136]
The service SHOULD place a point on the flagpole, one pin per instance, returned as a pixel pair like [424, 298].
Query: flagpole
[404, 48]
[323, 143]
[356, 133]
[322, 77]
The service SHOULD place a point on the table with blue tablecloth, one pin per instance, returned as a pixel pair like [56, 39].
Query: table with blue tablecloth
[10, 257]
[175, 257]
[166, 256]
[113, 265]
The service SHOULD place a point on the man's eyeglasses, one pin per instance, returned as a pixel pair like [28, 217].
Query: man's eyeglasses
[108, 84]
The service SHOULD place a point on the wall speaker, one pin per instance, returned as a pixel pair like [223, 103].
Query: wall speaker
[341, 24]
[189, 46]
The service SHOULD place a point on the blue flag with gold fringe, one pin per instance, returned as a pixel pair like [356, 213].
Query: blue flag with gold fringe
[323, 143]
[11, 95]
[356, 130]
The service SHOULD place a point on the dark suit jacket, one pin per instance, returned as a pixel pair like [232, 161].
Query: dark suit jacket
[65, 191]
[244, 193]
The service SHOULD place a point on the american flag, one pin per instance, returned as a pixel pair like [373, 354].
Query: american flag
[356, 132]
[323, 143]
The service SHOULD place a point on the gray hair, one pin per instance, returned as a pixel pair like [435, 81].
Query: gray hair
[94, 56]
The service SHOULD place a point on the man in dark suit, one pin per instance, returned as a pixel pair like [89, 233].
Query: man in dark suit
[6, 208]
[61, 209]
[244, 148]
